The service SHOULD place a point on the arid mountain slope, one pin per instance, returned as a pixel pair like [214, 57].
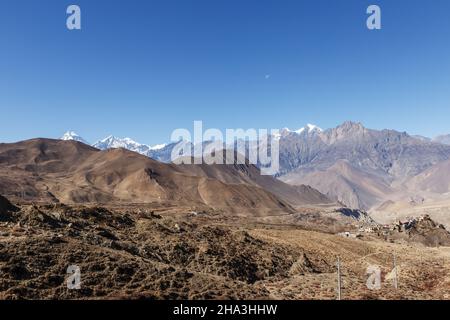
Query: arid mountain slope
[427, 192]
[69, 171]
[435, 179]
[344, 183]
[389, 152]
[362, 167]
[249, 174]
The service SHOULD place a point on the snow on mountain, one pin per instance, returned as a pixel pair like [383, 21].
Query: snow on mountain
[126, 143]
[162, 152]
[313, 127]
[71, 135]
[308, 129]
[158, 146]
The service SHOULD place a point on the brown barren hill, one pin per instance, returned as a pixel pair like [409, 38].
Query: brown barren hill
[345, 183]
[247, 173]
[68, 171]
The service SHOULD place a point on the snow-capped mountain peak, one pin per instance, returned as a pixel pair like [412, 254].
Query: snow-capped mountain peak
[130, 144]
[158, 146]
[309, 128]
[73, 136]
[312, 127]
[126, 143]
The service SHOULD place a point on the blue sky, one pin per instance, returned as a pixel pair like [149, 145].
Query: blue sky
[144, 68]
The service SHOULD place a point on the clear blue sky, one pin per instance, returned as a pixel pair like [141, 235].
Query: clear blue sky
[143, 68]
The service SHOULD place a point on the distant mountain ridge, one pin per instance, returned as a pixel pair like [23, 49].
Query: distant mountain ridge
[157, 152]
[379, 151]
[313, 138]
[359, 167]
[111, 142]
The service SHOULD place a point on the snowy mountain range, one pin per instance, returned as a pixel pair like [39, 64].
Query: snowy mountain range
[126, 143]
[115, 142]
[162, 152]
[308, 129]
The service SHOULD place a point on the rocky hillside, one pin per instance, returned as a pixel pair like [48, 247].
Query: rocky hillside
[72, 172]
[359, 167]
[157, 252]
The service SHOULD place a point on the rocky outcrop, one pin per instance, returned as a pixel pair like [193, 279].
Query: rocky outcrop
[5, 209]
